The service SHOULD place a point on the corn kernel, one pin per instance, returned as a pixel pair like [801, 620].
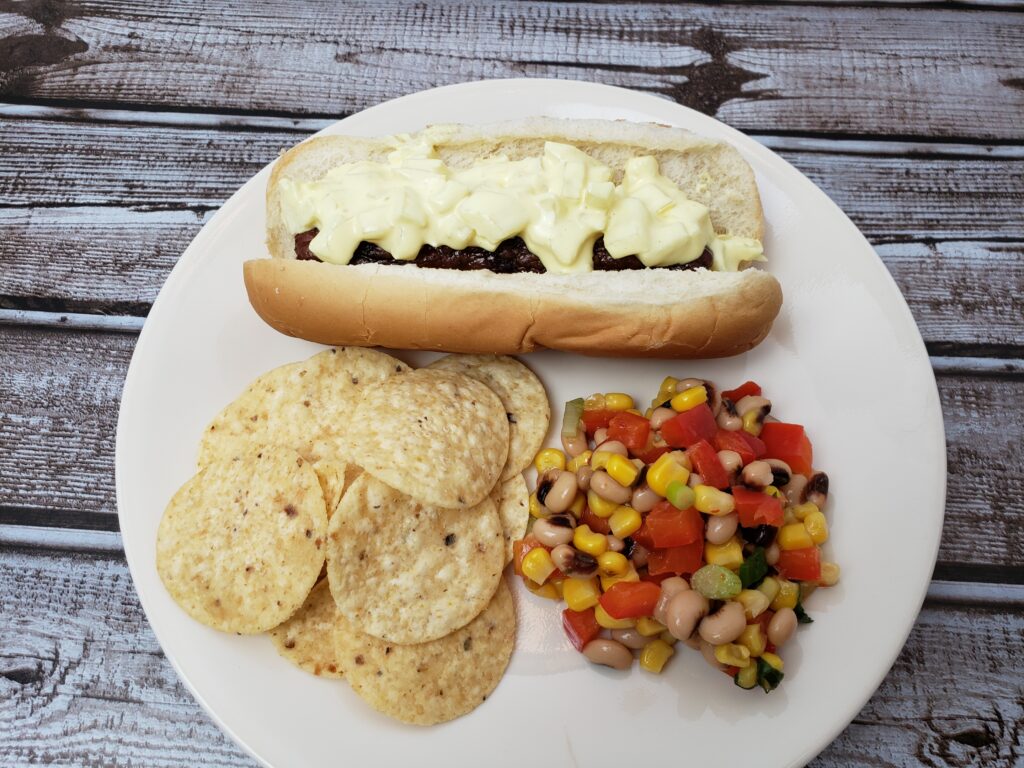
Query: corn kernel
[789, 592]
[607, 582]
[689, 398]
[817, 527]
[648, 413]
[612, 564]
[732, 655]
[617, 401]
[729, 554]
[746, 678]
[536, 508]
[606, 621]
[769, 587]
[794, 536]
[594, 403]
[625, 521]
[599, 459]
[753, 639]
[801, 511]
[622, 470]
[648, 627]
[773, 660]
[666, 391]
[601, 507]
[667, 637]
[549, 458]
[576, 508]
[752, 422]
[654, 656]
[664, 471]
[771, 490]
[547, 591]
[579, 461]
[581, 594]
[829, 575]
[712, 501]
[754, 603]
[591, 542]
[537, 565]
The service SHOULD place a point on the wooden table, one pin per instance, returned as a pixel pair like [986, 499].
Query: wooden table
[123, 126]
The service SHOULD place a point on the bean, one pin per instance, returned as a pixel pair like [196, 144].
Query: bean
[685, 384]
[683, 612]
[727, 417]
[816, 491]
[612, 446]
[782, 626]
[562, 493]
[659, 416]
[604, 486]
[583, 475]
[639, 554]
[781, 473]
[630, 638]
[615, 544]
[572, 562]
[771, 554]
[575, 445]
[753, 402]
[600, 435]
[670, 587]
[609, 653]
[555, 530]
[695, 480]
[644, 499]
[731, 461]
[724, 625]
[720, 529]
[794, 489]
[757, 475]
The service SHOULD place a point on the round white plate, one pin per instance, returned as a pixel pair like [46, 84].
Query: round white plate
[844, 358]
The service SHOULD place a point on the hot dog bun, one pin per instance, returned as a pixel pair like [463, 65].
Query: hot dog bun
[642, 313]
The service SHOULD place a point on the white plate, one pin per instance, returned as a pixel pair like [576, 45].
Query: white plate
[844, 358]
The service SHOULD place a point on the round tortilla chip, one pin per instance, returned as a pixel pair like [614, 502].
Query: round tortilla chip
[335, 477]
[512, 498]
[436, 681]
[406, 572]
[307, 638]
[437, 436]
[241, 544]
[304, 406]
[522, 395]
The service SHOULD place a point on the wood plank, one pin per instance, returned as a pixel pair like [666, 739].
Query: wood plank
[875, 71]
[83, 681]
[61, 389]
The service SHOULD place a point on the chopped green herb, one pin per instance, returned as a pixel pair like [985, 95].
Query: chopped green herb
[801, 615]
[753, 569]
[768, 677]
[571, 418]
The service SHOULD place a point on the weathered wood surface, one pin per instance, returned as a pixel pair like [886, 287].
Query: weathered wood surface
[62, 391]
[804, 68]
[83, 681]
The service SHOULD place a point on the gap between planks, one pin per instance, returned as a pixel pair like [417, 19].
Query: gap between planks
[308, 125]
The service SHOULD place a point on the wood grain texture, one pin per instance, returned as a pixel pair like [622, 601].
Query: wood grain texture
[62, 388]
[82, 681]
[812, 69]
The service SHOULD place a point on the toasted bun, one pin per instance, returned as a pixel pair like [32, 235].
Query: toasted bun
[655, 313]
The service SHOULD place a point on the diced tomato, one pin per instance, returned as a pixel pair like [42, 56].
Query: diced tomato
[519, 550]
[800, 564]
[629, 429]
[651, 453]
[707, 464]
[597, 524]
[656, 579]
[756, 508]
[580, 627]
[788, 443]
[744, 389]
[630, 599]
[643, 535]
[676, 560]
[595, 420]
[745, 444]
[671, 527]
[686, 428]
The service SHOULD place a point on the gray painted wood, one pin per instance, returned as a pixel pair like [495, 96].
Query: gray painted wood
[788, 68]
[83, 681]
[62, 388]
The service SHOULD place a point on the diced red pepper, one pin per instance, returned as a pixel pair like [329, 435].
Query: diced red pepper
[643, 535]
[676, 560]
[788, 443]
[707, 464]
[580, 627]
[631, 430]
[656, 579]
[597, 524]
[686, 428]
[744, 389]
[651, 453]
[630, 599]
[595, 420]
[745, 444]
[671, 527]
[800, 564]
[756, 508]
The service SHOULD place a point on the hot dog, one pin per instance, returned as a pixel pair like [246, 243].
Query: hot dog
[600, 237]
